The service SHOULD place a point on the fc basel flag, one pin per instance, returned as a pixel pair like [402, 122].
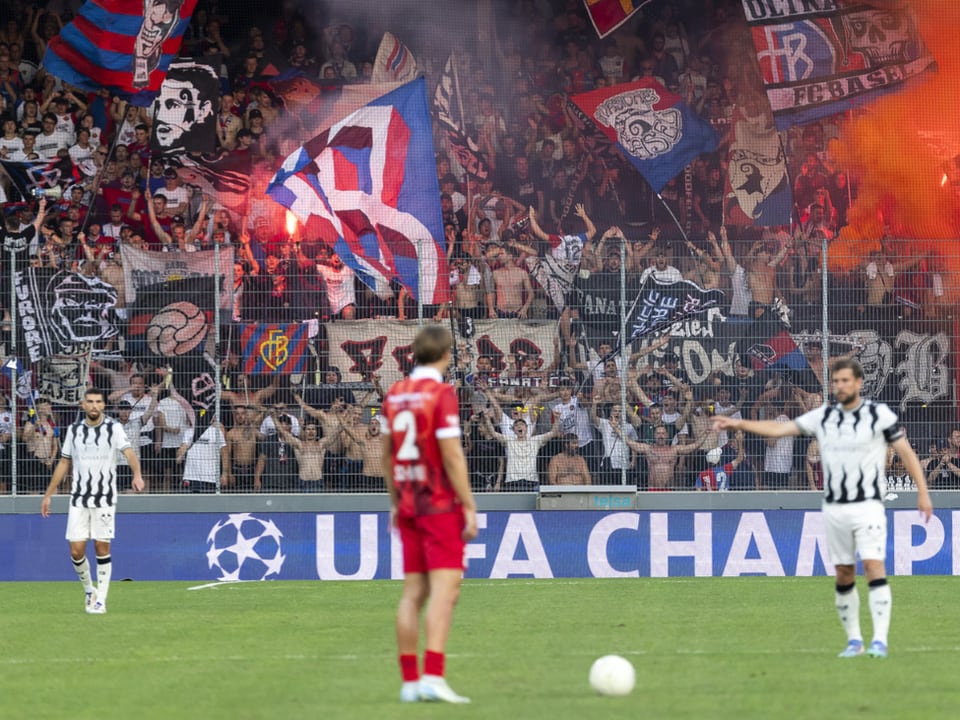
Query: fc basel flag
[656, 131]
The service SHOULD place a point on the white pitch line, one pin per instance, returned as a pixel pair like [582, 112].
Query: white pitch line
[352, 658]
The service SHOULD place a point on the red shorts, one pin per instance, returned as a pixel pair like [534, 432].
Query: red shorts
[432, 542]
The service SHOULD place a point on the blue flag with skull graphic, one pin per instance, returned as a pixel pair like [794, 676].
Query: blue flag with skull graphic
[655, 130]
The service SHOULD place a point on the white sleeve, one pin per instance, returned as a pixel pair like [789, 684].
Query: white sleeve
[809, 421]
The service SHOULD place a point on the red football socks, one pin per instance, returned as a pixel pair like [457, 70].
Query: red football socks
[408, 668]
[433, 663]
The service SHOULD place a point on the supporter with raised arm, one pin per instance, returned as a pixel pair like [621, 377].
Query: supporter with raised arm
[521, 474]
[310, 450]
[661, 458]
[616, 453]
[556, 269]
[240, 458]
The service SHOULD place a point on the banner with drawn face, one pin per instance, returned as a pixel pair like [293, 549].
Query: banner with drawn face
[61, 312]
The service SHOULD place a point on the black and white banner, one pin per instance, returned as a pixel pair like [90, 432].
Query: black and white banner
[447, 103]
[659, 305]
[185, 111]
[62, 312]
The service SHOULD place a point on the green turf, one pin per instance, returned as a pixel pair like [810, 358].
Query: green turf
[703, 648]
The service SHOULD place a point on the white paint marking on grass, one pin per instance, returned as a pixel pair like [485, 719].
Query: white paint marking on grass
[352, 658]
[218, 583]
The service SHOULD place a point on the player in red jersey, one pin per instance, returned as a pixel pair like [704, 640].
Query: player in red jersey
[432, 506]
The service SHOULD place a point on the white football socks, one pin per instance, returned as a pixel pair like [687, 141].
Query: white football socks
[104, 571]
[848, 608]
[82, 568]
[881, 603]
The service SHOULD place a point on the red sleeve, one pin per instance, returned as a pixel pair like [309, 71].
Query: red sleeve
[555, 240]
[446, 420]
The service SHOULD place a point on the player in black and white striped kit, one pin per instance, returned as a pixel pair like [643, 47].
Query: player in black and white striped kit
[89, 450]
[853, 435]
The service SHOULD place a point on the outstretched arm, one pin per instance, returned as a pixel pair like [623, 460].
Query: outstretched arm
[765, 428]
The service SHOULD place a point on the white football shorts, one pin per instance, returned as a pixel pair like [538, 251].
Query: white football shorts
[90, 523]
[852, 528]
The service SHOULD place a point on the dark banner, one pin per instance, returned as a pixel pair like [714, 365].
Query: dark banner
[185, 111]
[62, 312]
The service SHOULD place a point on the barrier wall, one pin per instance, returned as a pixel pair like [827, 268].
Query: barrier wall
[348, 538]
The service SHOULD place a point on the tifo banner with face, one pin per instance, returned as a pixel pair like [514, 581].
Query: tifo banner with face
[819, 59]
[125, 46]
[185, 110]
[62, 312]
[142, 268]
[386, 349]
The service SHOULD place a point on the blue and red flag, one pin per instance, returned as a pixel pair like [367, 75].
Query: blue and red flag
[820, 59]
[125, 46]
[656, 131]
[275, 349]
[367, 187]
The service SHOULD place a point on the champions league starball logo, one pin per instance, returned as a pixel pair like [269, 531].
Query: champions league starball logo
[244, 547]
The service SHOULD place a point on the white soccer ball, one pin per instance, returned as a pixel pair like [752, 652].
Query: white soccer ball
[612, 675]
[244, 547]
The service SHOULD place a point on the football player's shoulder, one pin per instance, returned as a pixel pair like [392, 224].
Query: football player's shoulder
[886, 414]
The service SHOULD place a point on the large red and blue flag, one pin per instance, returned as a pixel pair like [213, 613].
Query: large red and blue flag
[275, 349]
[656, 131]
[125, 46]
[367, 187]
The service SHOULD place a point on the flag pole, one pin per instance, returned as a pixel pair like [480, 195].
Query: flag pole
[12, 364]
[683, 234]
[456, 87]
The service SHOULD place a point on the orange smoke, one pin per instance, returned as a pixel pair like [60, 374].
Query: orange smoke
[897, 149]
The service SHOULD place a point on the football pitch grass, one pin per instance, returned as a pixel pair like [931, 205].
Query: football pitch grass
[704, 648]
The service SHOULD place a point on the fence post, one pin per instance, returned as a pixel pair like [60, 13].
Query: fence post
[12, 364]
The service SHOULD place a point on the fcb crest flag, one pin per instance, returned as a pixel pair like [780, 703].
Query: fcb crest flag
[125, 46]
[275, 349]
[656, 131]
[819, 59]
[368, 186]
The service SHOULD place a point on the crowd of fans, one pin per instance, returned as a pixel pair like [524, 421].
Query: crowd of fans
[522, 243]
